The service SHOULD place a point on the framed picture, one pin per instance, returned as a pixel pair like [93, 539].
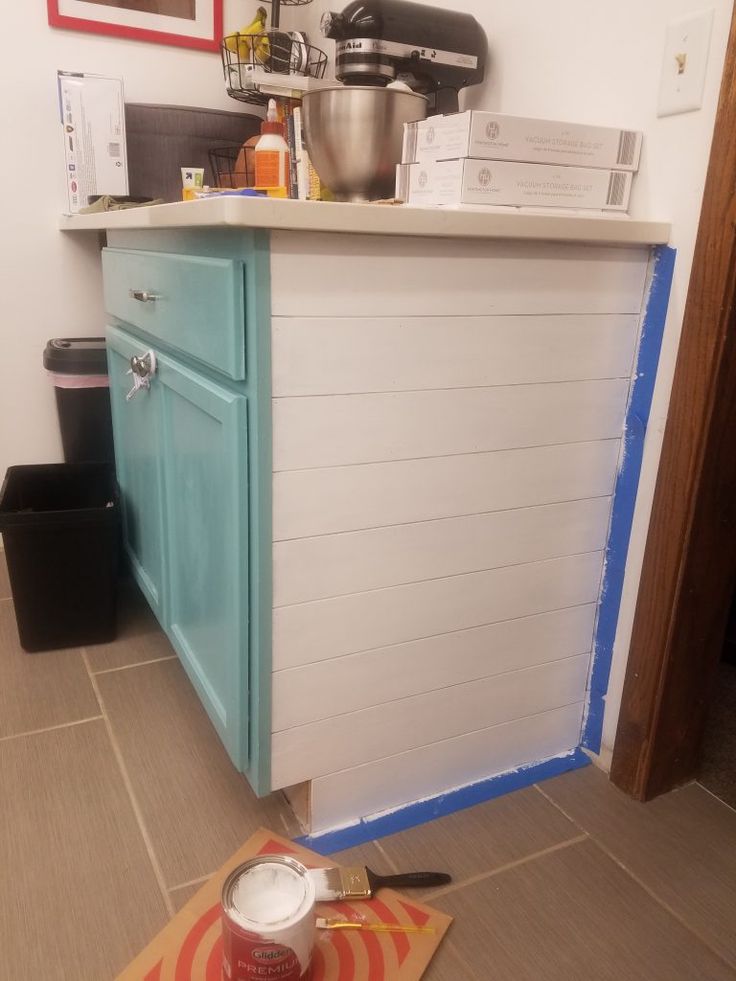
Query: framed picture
[187, 23]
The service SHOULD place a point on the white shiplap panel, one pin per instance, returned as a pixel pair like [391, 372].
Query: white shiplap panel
[323, 275]
[344, 797]
[329, 628]
[338, 430]
[334, 565]
[330, 356]
[352, 739]
[357, 681]
[335, 499]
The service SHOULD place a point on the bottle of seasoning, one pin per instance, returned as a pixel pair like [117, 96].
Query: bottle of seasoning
[272, 152]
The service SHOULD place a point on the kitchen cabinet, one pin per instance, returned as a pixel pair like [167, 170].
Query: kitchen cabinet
[369, 490]
[190, 457]
[182, 450]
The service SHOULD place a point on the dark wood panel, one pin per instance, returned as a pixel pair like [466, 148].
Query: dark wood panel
[690, 560]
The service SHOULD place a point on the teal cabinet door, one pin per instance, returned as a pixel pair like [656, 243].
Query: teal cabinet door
[204, 450]
[137, 425]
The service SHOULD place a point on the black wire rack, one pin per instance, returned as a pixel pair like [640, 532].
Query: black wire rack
[232, 166]
[245, 57]
[276, 6]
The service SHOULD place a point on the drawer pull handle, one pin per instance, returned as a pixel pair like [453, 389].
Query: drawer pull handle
[143, 296]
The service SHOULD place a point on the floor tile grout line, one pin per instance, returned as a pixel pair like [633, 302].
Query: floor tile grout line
[61, 725]
[391, 864]
[157, 871]
[664, 904]
[460, 956]
[481, 877]
[138, 664]
[200, 880]
[640, 882]
[558, 807]
[715, 796]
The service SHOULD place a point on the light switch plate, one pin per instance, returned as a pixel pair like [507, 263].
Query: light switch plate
[685, 61]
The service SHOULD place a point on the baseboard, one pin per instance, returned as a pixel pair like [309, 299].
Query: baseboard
[420, 812]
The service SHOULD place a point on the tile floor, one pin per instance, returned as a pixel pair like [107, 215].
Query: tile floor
[718, 759]
[117, 800]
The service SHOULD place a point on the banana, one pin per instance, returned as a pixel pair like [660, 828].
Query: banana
[241, 42]
[262, 48]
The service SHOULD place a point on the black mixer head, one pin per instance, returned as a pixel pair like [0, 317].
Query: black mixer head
[379, 41]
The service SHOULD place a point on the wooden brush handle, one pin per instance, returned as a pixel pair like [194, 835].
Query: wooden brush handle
[408, 880]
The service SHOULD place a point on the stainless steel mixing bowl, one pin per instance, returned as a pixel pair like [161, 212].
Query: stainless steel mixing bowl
[354, 135]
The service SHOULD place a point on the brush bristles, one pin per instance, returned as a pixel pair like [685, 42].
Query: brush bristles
[331, 884]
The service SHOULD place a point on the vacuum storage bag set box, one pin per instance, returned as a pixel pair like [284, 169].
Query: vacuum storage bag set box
[477, 157]
[92, 113]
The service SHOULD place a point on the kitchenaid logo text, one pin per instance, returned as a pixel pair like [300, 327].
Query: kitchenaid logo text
[401, 51]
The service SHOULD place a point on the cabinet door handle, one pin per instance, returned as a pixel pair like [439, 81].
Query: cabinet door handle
[142, 369]
[143, 296]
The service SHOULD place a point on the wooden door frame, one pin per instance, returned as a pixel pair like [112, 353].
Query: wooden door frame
[689, 567]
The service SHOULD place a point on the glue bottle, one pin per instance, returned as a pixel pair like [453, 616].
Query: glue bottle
[272, 152]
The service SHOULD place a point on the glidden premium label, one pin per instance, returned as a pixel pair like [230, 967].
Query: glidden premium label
[245, 956]
[268, 920]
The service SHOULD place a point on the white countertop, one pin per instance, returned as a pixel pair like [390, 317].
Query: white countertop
[373, 219]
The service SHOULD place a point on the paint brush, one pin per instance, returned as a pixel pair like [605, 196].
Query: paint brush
[334, 924]
[361, 883]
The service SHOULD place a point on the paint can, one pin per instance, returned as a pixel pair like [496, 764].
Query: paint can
[268, 920]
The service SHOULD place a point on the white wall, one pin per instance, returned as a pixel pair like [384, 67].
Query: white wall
[600, 63]
[50, 283]
[580, 61]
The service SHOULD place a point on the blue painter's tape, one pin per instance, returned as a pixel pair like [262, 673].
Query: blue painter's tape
[455, 800]
[627, 484]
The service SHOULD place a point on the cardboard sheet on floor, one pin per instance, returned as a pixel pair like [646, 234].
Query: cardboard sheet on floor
[190, 947]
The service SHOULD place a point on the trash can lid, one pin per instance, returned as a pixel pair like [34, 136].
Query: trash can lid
[76, 355]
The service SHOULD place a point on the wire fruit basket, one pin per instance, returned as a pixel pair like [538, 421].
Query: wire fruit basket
[233, 166]
[247, 57]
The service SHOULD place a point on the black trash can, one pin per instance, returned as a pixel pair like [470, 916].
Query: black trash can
[60, 528]
[78, 369]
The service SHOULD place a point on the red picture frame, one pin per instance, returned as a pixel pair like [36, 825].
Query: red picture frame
[212, 43]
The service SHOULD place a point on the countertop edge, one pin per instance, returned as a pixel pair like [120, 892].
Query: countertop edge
[371, 219]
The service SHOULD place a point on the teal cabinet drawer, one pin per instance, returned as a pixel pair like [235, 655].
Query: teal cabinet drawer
[194, 304]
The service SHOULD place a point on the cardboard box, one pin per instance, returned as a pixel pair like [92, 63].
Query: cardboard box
[93, 125]
[190, 946]
[451, 182]
[495, 136]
